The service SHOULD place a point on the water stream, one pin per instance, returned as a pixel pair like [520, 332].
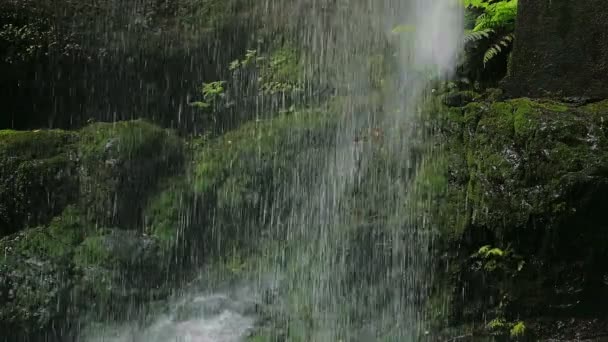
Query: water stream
[343, 277]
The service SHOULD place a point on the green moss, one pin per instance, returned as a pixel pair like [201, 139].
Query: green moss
[256, 146]
[173, 213]
[119, 268]
[37, 170]
[35, 273]
[600, 107]
[121, 163]
[521, 173]
[56, 241]
[523, 118]
[282, 72]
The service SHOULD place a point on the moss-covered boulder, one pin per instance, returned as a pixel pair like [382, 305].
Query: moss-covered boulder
[109, 168]
[522, 214]
[53, 271]
[241, 172]
[120, 165]
[119, 271]
[36, 276]
[37, 177]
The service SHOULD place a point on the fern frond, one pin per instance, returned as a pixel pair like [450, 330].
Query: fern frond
[473, 36]
[500, 14]
[496, 48]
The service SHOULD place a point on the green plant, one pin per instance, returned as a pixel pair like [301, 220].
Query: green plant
[490, 259]
[212, 93]
[518, 330]
[497, 324]
[495, 23]
[500, 326]
[277, 72]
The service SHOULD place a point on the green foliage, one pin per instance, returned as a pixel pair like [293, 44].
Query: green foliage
[28, 32]
[497, 324]
[489, 259]
[503, 42]
[495, 24]
[496, 15]
[518, 330]
[212, 93]
[473, 36]
[278, 72]
[500, 326]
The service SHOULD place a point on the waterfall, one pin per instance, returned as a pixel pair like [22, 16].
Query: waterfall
[352, 258]
[366, 278]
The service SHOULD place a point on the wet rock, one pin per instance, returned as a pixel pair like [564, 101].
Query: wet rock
[37, 177]
[120, 270]
[529, 178]
[120, 165]
[36, 277]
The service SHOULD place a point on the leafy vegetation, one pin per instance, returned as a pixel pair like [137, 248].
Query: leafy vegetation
[494, 24]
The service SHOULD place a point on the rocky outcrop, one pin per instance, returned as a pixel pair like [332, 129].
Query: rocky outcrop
[561, 49]
[522, 217]
[59, 189]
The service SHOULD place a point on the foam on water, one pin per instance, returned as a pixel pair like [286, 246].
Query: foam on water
[209, 318]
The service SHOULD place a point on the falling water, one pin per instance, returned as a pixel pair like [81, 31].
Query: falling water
[353, 262]
[366, 278]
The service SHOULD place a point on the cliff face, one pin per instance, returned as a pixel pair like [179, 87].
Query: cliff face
[561, 49]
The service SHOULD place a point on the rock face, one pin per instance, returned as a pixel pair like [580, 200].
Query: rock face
[524, 211]
[58, 190]
[37, 170]
[561, 49]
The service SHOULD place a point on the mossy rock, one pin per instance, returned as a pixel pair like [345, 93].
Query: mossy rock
[37, 177]
[530, 176]
[36, 276]
[121, 164]
[120, 270]
[238, 173]
[523, 154]
[179, 219]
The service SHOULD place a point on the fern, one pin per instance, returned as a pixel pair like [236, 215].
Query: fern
[500, 15]
[504, 42]
[473, 36]
[496, 15]
[496, 23]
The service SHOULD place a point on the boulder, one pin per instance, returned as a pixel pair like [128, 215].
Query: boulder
[120, 165]
[37, 177]
[521, 211]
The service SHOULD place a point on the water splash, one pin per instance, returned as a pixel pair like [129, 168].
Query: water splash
[211, 317]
